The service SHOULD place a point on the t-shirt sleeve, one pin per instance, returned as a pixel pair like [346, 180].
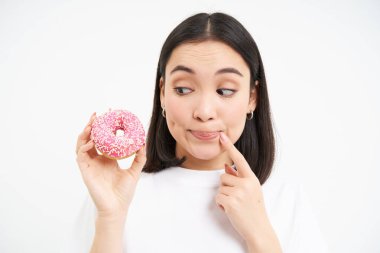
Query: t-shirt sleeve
[81, 232]
[306, 235]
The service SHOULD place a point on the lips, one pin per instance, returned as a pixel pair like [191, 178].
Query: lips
[205, 135]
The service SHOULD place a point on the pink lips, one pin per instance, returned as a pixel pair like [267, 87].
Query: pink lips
[205, 136]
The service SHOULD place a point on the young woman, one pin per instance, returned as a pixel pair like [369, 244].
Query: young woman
[201, 185]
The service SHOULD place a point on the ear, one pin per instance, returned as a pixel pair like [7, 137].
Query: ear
[253, 97]
[162, 91]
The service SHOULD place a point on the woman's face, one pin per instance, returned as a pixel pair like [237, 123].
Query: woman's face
[206, 91]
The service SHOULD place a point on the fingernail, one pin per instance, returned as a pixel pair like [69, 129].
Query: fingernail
[229, 170]
[223, 137]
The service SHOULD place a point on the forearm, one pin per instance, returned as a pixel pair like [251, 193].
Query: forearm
[264, 241]
[271, 247]
[108, 236]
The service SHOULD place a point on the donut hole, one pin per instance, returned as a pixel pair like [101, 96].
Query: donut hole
[119, 132]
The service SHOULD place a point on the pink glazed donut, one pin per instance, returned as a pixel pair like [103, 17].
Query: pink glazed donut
[117, 134]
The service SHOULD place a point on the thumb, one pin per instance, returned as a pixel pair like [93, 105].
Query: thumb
[138, 162]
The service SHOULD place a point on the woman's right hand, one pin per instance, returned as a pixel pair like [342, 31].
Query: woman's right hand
[111, 188]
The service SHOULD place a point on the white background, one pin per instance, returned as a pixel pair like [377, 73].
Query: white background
[62, 60]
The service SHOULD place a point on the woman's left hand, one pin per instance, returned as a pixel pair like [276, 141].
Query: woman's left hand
[241, 198]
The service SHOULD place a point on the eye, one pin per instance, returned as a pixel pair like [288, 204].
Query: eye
[182, 90]
[225, 92]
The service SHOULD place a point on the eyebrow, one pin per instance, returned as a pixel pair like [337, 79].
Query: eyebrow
[220, 71]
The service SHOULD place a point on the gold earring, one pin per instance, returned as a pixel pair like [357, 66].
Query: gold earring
[163, 112]
[250, 115]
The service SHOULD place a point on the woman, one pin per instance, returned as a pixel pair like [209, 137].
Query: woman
[201, 186]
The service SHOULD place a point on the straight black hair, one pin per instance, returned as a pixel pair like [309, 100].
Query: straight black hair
[256, 143]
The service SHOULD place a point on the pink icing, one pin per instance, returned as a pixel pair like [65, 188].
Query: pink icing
[104, 130]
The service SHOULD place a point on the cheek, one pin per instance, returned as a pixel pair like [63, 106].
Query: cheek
[234, 120]
[176, 113]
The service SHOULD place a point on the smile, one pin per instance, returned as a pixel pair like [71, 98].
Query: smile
[205, 136]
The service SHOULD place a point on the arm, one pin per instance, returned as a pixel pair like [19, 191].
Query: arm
[108, 235]
[265, 242]
[111, 189]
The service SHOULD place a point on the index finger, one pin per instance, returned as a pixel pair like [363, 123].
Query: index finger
[84, 137]
[242, 165]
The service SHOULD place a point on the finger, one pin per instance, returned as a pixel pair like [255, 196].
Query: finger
[138, 162]
[229, 180]
[243, 168]
[93, 116]
[229, 170]
[84, 137]
[222, 201]
[88, 126]
[226, 190]
[85, 148]
[83, 156]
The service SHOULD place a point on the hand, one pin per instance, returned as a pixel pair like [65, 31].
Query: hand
[111, 188]
[241, 198]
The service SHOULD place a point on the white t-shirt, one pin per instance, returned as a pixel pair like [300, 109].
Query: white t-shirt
[174, 210]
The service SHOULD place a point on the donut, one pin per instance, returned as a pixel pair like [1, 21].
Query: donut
[117, 134]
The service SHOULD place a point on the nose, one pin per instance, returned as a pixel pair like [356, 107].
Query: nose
[205, 109]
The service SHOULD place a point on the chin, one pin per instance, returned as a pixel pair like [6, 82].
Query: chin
[205, 153]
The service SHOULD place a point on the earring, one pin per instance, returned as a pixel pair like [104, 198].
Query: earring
[163, 112]
[250, 115]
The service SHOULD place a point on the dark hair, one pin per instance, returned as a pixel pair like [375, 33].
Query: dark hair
[256, 142]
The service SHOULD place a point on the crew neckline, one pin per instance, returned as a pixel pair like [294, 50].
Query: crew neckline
[194, 177]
